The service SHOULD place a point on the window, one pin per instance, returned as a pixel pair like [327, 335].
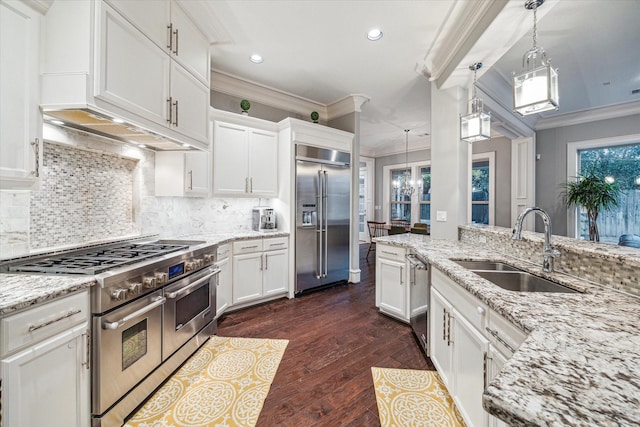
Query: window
[480, 192]
[425, 195]
[400, 206]
[622, 164]
[619, 158]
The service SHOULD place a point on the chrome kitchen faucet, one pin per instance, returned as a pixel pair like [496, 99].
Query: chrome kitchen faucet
[549, 253]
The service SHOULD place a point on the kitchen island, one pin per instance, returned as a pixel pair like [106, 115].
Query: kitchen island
[579, 365]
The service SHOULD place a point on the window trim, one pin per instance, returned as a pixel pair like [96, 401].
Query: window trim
[491, 157]
[572, 167]
[386, 183]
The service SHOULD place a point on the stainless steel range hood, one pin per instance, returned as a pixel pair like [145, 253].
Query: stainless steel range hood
[93, 122]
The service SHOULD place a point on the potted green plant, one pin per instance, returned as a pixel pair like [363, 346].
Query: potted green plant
[595, 193]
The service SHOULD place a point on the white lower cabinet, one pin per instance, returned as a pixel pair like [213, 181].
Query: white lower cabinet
[467, 346]
[392, 293]
[260, 269]
[44, 367]
[224, 292]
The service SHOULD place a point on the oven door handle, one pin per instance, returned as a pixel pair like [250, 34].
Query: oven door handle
[188, 288]
[157, 301]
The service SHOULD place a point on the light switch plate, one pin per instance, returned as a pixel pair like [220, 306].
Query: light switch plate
[441, 216]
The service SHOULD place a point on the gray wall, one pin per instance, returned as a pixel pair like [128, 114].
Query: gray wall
[551, 169]
[502, 149]
[224, 102]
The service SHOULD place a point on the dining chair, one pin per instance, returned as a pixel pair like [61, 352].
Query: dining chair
[400, 222]
[376, 229]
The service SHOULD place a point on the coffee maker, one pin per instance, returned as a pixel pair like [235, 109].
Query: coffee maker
[264, 219]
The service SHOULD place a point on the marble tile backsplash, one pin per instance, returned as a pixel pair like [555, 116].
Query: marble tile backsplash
[14, 223]
[84, 196]
[608, 265]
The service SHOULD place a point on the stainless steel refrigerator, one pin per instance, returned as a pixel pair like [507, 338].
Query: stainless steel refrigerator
[323, 185]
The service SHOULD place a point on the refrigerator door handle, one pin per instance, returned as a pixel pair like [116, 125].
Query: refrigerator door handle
[319, 221]
[325, 215]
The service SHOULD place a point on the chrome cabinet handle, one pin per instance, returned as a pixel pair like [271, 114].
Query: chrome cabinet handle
[444, 325]
[266, 261]
[36, 148]
[158, 301]
[484, 370]
[177, 38]
[251, 185]
[175, 104]
[87, 362]
[57, 319]
[169, 103]
[250, 247]
[497, 336]
[388, 253]
[401, 278]
[325, 216]
[449, 340]
[190, 180]
[261, 262]
[170, 37]
[246, 184]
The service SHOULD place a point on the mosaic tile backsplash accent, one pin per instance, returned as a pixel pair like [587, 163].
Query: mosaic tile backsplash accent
[612, 266]
[85, 196]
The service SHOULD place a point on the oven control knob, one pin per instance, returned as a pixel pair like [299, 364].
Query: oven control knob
[135, 288]
[199, 262]
[161, 278]
[149, 282]
[118, 294]
[208, 258]
[190, 266]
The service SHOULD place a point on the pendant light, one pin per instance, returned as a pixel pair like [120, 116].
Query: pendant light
[536, 88]
[475, 126]
[406, 187]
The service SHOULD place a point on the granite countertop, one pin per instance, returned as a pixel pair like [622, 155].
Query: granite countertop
[580, 364]
[20, 291]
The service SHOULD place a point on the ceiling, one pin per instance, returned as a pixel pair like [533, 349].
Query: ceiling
[318, 50]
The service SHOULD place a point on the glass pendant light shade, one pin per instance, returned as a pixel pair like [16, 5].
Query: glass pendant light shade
[536, 88]
[475, 126]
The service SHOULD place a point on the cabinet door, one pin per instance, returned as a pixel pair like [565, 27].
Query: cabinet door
[133, 73]
[247, 277]
[393, 288]
[263, 163]
[190, 104]
[496, 361]
[149, 16]
[48, 384]
[440, 331]
[20, 118]
[276, 272]
[189, 46]
[197, 178]
[230, 154]
[470, 350]
[224, 292]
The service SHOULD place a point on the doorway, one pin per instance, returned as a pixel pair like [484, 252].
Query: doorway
[365, 201]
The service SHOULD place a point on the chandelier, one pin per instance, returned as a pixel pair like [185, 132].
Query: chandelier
[536, 88]
[405, 184]
[475, 126]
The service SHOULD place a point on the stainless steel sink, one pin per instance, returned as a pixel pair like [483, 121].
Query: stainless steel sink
[521, 281]
[487, 265]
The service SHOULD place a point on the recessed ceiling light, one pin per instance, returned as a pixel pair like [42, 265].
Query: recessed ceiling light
[117, 120]
[57, 122]
[374, 34]
[141, 145]
[256, 59]
[186, 145]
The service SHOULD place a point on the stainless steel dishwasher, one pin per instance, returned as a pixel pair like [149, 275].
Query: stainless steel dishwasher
[419, 282]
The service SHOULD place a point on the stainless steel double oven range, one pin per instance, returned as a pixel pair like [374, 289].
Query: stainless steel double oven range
[154, 306]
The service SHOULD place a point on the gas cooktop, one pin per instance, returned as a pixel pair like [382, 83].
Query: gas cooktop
[99, 259]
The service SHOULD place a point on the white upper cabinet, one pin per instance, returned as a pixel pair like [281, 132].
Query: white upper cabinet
[168, 25]
[245, 160]
[181, 174]
[20, 118]
[131, 69]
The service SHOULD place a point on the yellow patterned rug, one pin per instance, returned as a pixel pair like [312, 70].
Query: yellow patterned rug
[413, 398]
[223, 384]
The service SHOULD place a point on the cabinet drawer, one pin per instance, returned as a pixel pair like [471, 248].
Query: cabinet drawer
[475, 311]
[505, 331]
[36, 324]
[223, 251]
[247, 246]
[395, 253]
[274, 243]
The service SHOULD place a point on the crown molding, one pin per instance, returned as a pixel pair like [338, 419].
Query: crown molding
[346, 105]
[235, 86]
[41, 6]
[396, 148]
[590, 115]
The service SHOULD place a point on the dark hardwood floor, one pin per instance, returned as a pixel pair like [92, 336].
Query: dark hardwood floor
[335, 336]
